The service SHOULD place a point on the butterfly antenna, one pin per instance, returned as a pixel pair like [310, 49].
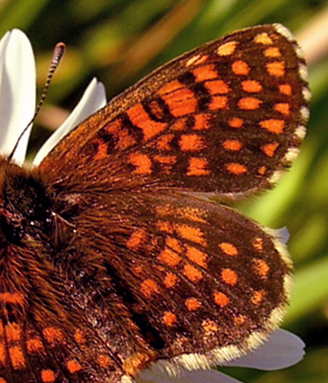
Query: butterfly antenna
[56, 58]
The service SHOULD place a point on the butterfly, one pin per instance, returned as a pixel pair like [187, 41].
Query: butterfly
[113, 258]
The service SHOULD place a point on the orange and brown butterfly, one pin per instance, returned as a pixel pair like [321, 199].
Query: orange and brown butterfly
[112, 259]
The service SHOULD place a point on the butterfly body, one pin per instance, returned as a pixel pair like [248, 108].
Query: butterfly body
[111, 260]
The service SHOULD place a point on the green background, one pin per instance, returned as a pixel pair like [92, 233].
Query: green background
[119, 41]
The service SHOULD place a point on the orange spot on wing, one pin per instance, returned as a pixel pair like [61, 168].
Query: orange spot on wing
[104, 361]
[101, 150]
[251, 86]
[142, 163]
[73, 366]
[263, 38]
[272, 52]
[13, 332]
[282, 108]
[169, 257]
[262, 170]
[235, 122]
[229, 277]
[221, 299]
[191, 142]
[270, 149]
[163, 142]
[181, 101]
[273, 125]
[170, 280]
[227, 49]
[136, 238]
[285, 89]
[149, 287]
[192, 273]
[173, 244]
[12, 298]
[258, 243]
[257, 297]
[240, 68]
[171, 87]
[122, 136]
[217, 87]
[276, 69]
[48, 376]
[249, 103]
[165, 160]
[234, 145]
[261, 267]
[210, 327]
[53, 335]
[197, 167]
[197, 60]
[239, 319]
[218, 102]
[169, 318]
[193, 234]
[34, 345]
[205, 72]
[192, 304]
[228, 248]
[137, 362]
[202, 122]
[165, 226]
[3, 355]
[125, 140]
[17, 358]
[140, 118]
[236, 168]
[196, 256]
[191, 213]
[114, 126]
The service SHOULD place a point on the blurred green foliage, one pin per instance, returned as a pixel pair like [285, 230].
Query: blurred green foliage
[119, 41]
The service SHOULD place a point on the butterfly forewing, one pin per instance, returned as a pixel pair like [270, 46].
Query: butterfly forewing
[227, 117]
[114, 264]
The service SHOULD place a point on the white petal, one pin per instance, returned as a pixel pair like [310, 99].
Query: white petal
[201, 376]
[17, 92]
[94, 98]
[283, 349]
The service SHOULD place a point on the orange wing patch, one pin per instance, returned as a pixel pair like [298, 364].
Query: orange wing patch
[276, 69]
[249, 103]
[141, 119]
[197, 167]
[48, 376]
[142, 162]
[273, 126]
[205, 72]
[221, 299]
[192, 304]
[229, 276]
[240, 68]
[191, 142]
[180, 99]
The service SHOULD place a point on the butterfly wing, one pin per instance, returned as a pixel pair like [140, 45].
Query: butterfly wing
[227, 117]
[125, 268]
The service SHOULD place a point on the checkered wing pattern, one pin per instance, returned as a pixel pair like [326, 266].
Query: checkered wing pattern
[127, 266]
[227, 117]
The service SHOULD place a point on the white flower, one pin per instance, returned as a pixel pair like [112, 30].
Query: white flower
[17, 106]
[18, 94]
